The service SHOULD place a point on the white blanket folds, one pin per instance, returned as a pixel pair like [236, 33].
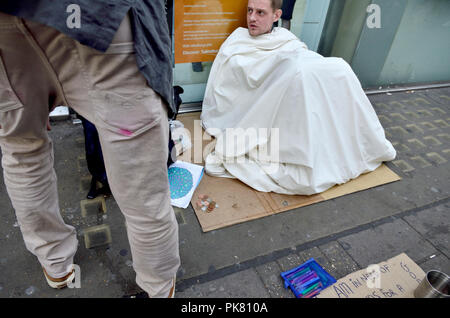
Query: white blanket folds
[315, 113]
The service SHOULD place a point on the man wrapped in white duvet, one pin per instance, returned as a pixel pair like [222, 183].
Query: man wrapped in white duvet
[286, 119]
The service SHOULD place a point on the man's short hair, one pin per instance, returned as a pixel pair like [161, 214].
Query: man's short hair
[276, 4]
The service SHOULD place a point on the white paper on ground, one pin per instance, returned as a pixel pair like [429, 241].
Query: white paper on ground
[59, 112]
[184, 178]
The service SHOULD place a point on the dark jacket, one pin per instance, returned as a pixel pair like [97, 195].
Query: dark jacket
[100, 20]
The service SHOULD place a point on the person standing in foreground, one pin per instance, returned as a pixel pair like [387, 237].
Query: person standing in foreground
[110, 62]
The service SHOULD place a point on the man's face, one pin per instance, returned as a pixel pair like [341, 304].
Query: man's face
[261, 16]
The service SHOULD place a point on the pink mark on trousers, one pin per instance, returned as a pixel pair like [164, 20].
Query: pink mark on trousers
[125, 132]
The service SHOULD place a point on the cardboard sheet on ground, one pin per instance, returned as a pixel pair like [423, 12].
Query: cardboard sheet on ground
[397, 277]
[240, 203]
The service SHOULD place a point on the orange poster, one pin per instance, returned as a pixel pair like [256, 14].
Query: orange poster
[201, 26]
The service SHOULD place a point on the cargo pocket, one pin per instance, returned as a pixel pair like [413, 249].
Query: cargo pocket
[129, 115]
[8, 102]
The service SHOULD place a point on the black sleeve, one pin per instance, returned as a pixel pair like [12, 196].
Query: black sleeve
[287, 8]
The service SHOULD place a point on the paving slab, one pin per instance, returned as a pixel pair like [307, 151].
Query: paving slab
[341, 262]
[385, 241]
[272, 280]
[244, 284]
[434, 224]
[438, 262]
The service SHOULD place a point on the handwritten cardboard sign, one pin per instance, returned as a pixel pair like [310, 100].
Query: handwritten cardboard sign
[396, 278]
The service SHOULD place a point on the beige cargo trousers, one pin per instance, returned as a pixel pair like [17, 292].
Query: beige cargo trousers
[41, 68]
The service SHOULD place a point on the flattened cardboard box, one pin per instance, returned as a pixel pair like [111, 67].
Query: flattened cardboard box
[239, 203]
[397, 277]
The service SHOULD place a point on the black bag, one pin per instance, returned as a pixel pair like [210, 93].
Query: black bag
[177, 90]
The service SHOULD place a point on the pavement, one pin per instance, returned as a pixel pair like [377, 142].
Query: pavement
[245, 260]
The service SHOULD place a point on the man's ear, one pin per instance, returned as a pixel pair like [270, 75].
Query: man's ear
[278, 14]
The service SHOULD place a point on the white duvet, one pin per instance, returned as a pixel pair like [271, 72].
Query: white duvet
[310, 110]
